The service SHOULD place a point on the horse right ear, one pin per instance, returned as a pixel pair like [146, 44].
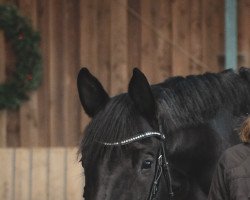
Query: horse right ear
[140, 92]
[92, 95]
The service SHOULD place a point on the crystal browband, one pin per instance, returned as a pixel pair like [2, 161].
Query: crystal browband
[135, 138]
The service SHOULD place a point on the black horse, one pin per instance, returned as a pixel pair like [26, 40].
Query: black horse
[197, 115]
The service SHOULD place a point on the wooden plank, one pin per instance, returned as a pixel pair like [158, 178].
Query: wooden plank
[22, 174]
[148, 59]
[8, 1]
[103, 21]
[11, 119]
[57, 125]
[134, 35]
[84, 28]
[29, 132]
[6, 174]
[244, 32]
[13, 116]
[89, 35]
[44, 15]
[75, 176]
[39, 172]
[119, 61]
[213, 34]
[70, 68]
[28, 9]
[88, 45]
[163, 50]
[13, 128]
[195, 48]
[181, 37]
[156, 22]
[57, 175]
[3, 116]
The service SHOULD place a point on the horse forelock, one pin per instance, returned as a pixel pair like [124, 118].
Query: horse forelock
[118, 121]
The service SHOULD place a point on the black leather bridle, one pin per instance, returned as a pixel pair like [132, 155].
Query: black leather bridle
[161, 168]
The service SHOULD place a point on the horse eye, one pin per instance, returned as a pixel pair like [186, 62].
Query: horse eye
[147, 164]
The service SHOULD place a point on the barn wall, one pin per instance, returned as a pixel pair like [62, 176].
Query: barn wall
[40, 174]
[110, 37]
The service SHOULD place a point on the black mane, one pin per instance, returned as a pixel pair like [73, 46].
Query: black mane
[195, 99]
[181, 102]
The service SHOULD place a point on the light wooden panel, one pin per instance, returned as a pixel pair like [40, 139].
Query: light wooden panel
[57, 174]
[40, 174]
[22, 174]
[7, 174]
[75, 176]
[39, 160]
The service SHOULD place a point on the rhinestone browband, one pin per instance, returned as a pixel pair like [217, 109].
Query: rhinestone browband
[135, 138]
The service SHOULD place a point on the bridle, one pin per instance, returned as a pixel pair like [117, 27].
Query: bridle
[161, 168]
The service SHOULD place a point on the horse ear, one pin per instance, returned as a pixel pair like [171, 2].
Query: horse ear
[140, 92]
[92, 95]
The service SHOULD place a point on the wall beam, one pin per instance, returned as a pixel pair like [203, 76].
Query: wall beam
[231, 33]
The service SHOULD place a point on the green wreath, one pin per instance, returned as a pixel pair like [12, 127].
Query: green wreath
[25, 43]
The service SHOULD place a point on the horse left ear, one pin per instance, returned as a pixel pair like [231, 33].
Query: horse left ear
[140, 92]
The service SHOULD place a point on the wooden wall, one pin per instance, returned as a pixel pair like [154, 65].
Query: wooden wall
[40, 174]
[110, 37]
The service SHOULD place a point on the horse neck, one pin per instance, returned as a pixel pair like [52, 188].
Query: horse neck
[225, 123]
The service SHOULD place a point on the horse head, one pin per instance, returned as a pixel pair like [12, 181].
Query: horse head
[124, 171]
[123, 144]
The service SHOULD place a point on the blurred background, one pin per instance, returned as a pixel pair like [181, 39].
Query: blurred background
[38, 141]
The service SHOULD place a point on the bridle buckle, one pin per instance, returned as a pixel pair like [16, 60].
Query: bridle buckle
[160, 159]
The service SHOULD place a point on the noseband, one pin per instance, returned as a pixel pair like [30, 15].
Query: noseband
[161, 168]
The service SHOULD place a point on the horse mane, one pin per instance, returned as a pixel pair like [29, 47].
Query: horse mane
[196, 99]
[181, 102]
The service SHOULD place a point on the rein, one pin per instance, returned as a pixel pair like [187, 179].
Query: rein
[161, 168]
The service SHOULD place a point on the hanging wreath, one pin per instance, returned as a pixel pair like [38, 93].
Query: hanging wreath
[25, 43]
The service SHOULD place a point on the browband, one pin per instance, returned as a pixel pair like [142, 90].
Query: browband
[135, 138]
